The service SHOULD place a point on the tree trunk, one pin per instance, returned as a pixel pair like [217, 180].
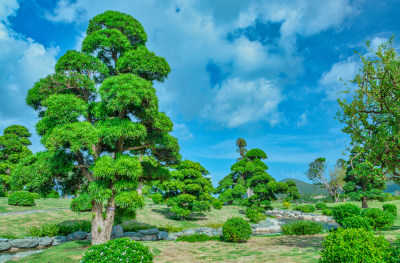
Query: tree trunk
[140, 188]
[249, 192]
[102, 227]
[364, 202]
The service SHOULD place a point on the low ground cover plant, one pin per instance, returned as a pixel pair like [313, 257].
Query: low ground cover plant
[214, 225]
[321, 206]
[305, 208]
[81, 203]
[327, 212]
[391, 208]
[302, 227]
[118, 250]
[62, 229]
[358, 222]
[286, 205]
[255, 216]
[355, 245]
[21, 198]
[236, 229]
[198, 238]
[341, 212]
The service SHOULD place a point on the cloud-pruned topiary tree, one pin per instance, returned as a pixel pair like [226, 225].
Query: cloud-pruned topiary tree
[101, 109]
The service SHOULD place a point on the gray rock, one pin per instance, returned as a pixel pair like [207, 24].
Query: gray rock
[117, 232]
[46, 241]
[5, 244]
[25, 243]
[151, 231]
[59, 240]
[150, 237]
[162, 235]
[188, 232]
[171, 238]
[134, 235]
[78, 235]
[89, 236]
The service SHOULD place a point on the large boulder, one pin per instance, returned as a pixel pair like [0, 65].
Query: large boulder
[25, 243]
[59, 240]
[117, 232]
[134, 235]
[46, 241]
[162, 235]
[5, 244]
[151, 231]
[78, 235]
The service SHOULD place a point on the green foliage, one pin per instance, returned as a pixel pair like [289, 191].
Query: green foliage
[214, 225]
[381, 219]
[236, 230]
[302, 227]
[292, 193]
[198, 238]
[358, 222]
[45, 230]
[62, 229]
[355, 245]
[344, 211]
[2, 191]
[118, 250]
[21, 198]
[53, 194]
[255, 216]
[157, 198]
[396, 251]
[321, 206]
[390, 208]
[216, 204]
[327, 212]
[81, 203]
[286, 205]
[35, 195]
[305, 208]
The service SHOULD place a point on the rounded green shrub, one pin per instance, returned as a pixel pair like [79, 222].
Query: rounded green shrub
[304, 208]
[35, 195]
[342, 212]
[381, 219]
[217, 204]
[118, 250]
[21, 198]
[286, 205]
[81, 203]
[390, 208]
[321, 206]
[157, 198]
[2, 191]
[302, 227]
[355, 245]
[254, 216]
[358, 222]
[53, 194]
[327, 212]
[236, 229]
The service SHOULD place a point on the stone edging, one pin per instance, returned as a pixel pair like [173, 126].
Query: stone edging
[299, 215]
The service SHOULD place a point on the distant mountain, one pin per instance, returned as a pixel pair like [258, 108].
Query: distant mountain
[306, 188]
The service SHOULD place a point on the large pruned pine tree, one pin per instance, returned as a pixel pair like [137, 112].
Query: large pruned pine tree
[101, 108]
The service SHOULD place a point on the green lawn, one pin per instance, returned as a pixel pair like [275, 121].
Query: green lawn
[41, 204]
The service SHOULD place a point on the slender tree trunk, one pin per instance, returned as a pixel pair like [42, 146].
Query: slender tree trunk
[364, 202]
[140, 188]
[102, 227]
[249, 192]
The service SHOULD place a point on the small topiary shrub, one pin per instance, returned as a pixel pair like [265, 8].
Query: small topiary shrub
[302, 227]
[355, 245]
[118, 250]
[381, 219]
[286, 205]
[35, 195]
[81, 203]
[2, 191]
[53, 194]
[327, 212]
[342, 212]
[46, 230]
[72, 226]
[198, 238]
[236, 229]
[305, 208]
[321, 206]
[21, 198]
[157, 198]
[390, 208]
[254, 216]
[358, 222]
[217, 204]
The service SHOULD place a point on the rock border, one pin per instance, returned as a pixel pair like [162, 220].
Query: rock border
[299, 215]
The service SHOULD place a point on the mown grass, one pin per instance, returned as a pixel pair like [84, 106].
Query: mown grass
[41, 204]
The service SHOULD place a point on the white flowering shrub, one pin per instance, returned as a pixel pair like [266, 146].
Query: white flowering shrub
[118, 250]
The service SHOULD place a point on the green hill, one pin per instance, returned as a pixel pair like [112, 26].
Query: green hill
[306, 188]
[392, 187]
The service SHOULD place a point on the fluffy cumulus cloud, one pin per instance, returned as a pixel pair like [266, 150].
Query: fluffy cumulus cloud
[22, 62]
[236, 102]
[190, 34]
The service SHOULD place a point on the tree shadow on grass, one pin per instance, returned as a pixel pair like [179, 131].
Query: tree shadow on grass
[300, 241]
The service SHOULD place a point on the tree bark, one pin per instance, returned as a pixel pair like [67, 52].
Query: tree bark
[140, 188]
[364, 202]
[102, 227]
[249, 192]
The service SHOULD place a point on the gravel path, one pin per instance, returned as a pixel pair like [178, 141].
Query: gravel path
[31, 211]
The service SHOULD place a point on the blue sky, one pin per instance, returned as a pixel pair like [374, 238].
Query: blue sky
[266, 71]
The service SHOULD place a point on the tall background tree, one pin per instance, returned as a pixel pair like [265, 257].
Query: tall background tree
[332, 180]
[101, 110]
[370, 110]
[13, 148]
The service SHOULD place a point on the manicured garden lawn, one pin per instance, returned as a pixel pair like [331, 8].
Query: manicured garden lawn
[41, 204]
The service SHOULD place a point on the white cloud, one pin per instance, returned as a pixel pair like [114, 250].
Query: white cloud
[239, 102]
[65, 11]
[330, 80]
[302, 121]
[182, 132]
[376, 42]
[7, 8]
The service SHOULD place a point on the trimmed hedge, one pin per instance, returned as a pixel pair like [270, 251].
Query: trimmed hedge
[302, 227]
[254, 216]
[118, 250]
[21, 198]
[381, 219]
[236, 229]
[321, 206]
[327, 212]
[391, 208]
[341, 212]
[304, 208]
[81, 203]
[355, 245]
[358, 222]
[217, 204]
